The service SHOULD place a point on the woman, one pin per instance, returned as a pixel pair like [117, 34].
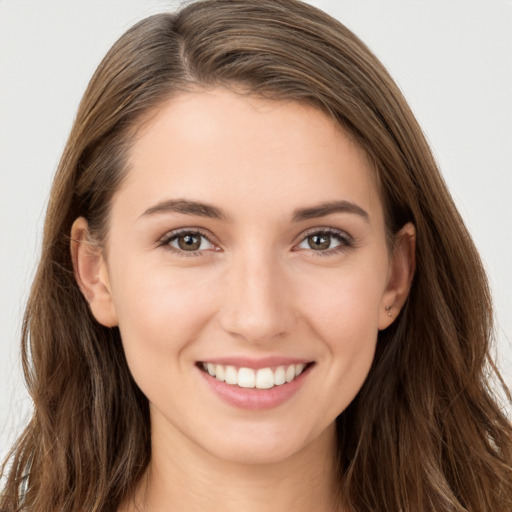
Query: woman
[255, 290]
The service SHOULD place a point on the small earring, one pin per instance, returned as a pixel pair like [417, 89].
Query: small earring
[388, 310]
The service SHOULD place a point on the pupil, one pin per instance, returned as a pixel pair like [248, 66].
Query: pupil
[189, 242]
[319, 242]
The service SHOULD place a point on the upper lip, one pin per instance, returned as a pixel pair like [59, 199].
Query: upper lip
[255, 364]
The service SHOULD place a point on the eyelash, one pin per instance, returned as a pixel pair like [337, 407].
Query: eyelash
[345, 241]
[174, 235]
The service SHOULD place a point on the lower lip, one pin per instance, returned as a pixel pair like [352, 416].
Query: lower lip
[252, 398]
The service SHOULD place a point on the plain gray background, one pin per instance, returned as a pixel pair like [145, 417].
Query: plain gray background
[452, 59]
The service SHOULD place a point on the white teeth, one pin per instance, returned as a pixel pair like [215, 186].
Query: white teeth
[246, 378]
[220, 372]
[231, 375]
[264, 378]
[279, 376]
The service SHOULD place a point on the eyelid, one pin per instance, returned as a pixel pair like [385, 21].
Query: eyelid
[164, 240]
[347, 239]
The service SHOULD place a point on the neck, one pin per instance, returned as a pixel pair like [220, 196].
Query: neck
[183, 478]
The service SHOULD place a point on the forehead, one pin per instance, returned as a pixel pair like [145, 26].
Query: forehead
[245, 153]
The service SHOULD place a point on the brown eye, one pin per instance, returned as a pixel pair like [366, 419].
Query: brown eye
[188, 241]
[319, 241]
[326, 241]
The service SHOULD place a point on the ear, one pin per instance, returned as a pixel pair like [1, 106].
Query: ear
[91, 273]
[401, 273]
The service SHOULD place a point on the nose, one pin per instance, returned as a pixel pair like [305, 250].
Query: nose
[258, 300]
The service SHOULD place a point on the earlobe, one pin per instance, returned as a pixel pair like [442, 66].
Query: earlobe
[402, 267]
[91, 273]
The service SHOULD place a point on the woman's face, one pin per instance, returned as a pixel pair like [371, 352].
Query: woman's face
[247, 244]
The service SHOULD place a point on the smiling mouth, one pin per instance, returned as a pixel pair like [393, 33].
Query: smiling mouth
[263, 378]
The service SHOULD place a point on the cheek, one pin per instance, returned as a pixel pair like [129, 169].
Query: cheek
[344, 313]
[160, 310]
[161, 314]
[348, 326]
[346, 302]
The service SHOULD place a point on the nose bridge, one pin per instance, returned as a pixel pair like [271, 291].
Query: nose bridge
[257, 306]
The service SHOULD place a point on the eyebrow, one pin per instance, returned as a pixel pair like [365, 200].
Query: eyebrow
[188, 207]
[329, 208]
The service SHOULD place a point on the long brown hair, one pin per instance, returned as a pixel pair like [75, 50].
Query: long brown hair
[424, 433]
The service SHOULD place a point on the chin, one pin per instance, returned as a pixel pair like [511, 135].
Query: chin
[270, 447]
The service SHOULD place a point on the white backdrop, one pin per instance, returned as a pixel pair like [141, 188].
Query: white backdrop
[452, 59]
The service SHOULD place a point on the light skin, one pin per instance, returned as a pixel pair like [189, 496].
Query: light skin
[286, 256]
